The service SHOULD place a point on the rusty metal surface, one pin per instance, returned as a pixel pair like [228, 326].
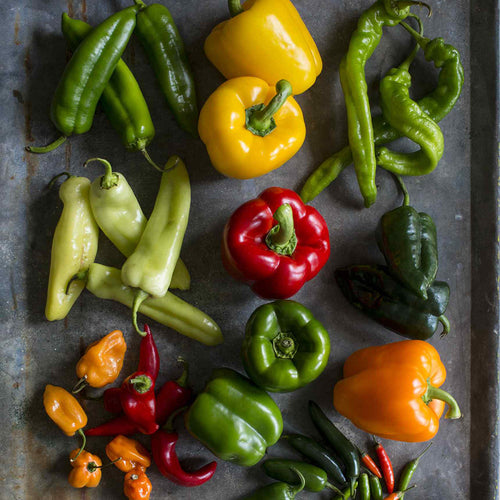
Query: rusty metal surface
[460, 195]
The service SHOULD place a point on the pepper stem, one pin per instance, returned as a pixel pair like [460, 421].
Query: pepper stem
[141, 383]
[334, 489]
[84, 442]
[446, 325]
[150, 161]
[300, 487]
[436, 393]
[80, 385]
[282, 238]
[109, 179]
[401, 185]
[235, 7]
[259, 118]
[81, 276]
[54, 179]
[421, 40]
[92, 466]
[410, 3]
[284, 346]
[416, 460]
[139, 298]
[140, 4]
[48, 148]
[182, 380]
[169, 424]
[405, 65]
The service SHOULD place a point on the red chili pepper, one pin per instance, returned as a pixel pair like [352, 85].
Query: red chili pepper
[163, 448]
[149, 359]
[138, 401]
[113, 427]
[111, 398]
[275, 243]
[385, 463]
[370, 464]
[173, 395]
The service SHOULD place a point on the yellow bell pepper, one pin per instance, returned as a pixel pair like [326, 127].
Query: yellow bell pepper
[266, 39]
[249, 128]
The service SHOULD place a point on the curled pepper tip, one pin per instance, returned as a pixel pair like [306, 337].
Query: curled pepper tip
[46, 149]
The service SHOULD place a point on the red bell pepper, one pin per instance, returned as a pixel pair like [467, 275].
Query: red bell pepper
[275, 243]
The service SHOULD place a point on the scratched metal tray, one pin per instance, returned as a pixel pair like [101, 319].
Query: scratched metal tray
[461, 195]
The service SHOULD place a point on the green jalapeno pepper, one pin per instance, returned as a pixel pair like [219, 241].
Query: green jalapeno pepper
[408, 471]
[121, 219]
[372, 290]
[165, 50]
[285, 347]
[280, 491]
[74, 247]
[375, 488]
[105, 282]
[87, 74]
[408, 241]
[364, 487]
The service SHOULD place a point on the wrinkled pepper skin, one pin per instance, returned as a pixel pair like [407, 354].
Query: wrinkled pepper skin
[247, 256]
[64, 409]
[268, 40]
[74, 247]
[129, 452]
[285, 347]
[234, 149]
[392, 391]
[85, 470]
[136, 485]
[234, 419]
[373, 291]
[103, 360]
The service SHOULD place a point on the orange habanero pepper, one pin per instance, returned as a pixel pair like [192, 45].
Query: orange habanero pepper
[64, 410]
[128, 454]
[86, 469]
[392, 391]
[136, 485]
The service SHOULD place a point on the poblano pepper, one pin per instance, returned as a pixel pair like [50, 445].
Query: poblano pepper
[279, 491]
[285, 347]
[74, 247]
[372, 290]
[408, 241]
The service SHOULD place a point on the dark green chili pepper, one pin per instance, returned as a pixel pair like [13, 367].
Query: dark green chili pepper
[122, 99]
[165, 50]
[87, 74]
[372, 290]
[279, 491]
[347, 451]
[409, 470]
[364, 487]
[315, 478]
[375, 488]
[318, 455]
[408, 241]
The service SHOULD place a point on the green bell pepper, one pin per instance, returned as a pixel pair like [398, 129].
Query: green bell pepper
[234, 419]
[284, 347]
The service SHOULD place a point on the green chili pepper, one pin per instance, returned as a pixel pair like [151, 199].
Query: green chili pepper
[122, 99]
[279, 491]
[151, 265]
[408, 241]
[315, 478]
[318, 455]
[364, 487]
[347, 451]
[409, 470]
[121, 219]
[346, 493]
[87, 74]
[376, 488]
[74, 247]
[165, 50]
[105, 282]
[372, 290]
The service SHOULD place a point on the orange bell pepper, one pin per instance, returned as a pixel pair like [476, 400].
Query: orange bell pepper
[86, 469]
[103, 360]
[136, 485]
[64, 410]
[131, 454]
[392, 391]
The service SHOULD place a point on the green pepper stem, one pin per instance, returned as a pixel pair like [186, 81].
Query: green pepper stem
[81, 276]
[446, 325]
[421, 40]
[109, 179]
[416, 460]
[140, 4]
[150, 161]
[436, 393]
[48, 148]
[84, 442]
[259, 119]
[334, 488]
[281, 238]
[141, 383]
[182, 380]
[139, 298]
[401, 184]
[80, 385]
[169, 424]
[235, 7]
[54, 179]
[284, 346]
[411, 3]
[405, 65]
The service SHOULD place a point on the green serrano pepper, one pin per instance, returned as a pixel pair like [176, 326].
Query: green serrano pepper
[165, 50]
[375, 488]
[87, 74]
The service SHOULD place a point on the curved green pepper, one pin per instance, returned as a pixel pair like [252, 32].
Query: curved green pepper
[280, 491]
[87, 74]
[165, 50]
[285, 347]
[236, 420]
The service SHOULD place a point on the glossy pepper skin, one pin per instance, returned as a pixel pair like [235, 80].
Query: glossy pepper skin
[105, 282]
[149, 358]
[275, 259]
[250, 419]
[372, 290]
[136, 485]
[285, 347]
[403, 408]
[250, 128]
[266, 39]
[279, 491]
[103, 360]
[86, 470]
[74, 247]
[114, 427]
[64, 409]
[128, 453]
[164, 47]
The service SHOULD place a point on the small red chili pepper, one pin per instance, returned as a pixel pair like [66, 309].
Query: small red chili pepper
[113, 427]
[138, 401]
[397, 495]
[385, 463]
[369, 463]
[149, 359]
[173, 395]
[111, 399]
[163, 448]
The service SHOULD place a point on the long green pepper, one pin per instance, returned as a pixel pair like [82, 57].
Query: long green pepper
[408, 471]
[87, 74]
[375, 488]
[279, 491]
[364, 487]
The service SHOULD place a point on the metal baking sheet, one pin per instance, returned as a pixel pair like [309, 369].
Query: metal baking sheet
[461, 195]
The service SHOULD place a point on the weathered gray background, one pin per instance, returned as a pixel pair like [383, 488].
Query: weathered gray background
[460, 196]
